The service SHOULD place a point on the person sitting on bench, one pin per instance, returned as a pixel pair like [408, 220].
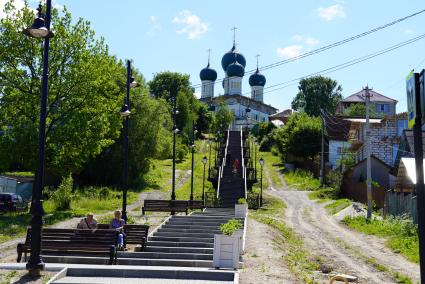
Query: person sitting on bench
[118, 224]
[89, 222]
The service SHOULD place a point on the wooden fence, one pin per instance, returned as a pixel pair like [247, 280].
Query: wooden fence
[357, 191]
[401, 203]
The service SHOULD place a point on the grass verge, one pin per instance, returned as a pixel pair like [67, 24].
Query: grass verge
[273, 168]
[337, 205]
[302, 180]
[297, 257]
[13, 225]
[400, 233]
[397, 276]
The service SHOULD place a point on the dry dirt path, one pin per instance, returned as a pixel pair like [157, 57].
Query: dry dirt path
[346, 250]
[263, 258]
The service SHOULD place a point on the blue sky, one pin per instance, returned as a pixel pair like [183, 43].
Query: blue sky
[175, 36]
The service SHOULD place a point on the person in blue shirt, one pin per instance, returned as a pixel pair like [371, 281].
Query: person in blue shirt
[118, 224]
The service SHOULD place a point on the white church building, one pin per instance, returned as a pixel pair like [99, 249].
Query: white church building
[248, 111]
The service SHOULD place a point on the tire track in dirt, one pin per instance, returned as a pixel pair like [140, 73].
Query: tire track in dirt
[332, 240]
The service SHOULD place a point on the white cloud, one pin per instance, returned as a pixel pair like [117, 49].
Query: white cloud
[19, 4]
[309, 41]
[332, 12]
[289, 51]
[154, 26]
[193, 26]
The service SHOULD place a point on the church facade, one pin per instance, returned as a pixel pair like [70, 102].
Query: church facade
[248, 110]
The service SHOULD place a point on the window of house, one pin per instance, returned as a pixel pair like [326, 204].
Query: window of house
[383, 108]
[256, 117]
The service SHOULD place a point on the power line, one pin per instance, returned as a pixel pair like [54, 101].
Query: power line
[327, 47]
[342, 66]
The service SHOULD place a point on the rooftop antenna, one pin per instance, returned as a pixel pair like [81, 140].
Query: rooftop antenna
[234, 35]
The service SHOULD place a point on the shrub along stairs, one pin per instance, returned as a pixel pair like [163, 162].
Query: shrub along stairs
[232, 185]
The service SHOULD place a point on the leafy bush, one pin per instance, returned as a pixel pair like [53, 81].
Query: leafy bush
[242, 201]
[230, 227]
[181, 151]
[253, 201]
[63, 196]
[334, 179]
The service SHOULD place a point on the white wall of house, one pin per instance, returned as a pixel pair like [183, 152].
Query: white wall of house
[337, 150]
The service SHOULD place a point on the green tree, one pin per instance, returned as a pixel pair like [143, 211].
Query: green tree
[262, 129]
[315, 93]
[223, 116]
[205, 119]
[300, 136]
[86, 88]
[149, 137]
[167, 84]
[359, 110]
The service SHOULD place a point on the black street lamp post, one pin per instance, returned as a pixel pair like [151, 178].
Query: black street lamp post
[40, 29]
[261, 182]
[209, 160]
[175, 131]
[204, 161]
[194, 131]
[125, 112]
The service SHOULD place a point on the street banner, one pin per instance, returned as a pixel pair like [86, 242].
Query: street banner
[411, 99]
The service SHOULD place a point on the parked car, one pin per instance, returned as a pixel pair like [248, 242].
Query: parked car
[12, 202]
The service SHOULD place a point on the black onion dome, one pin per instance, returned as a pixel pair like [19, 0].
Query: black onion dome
[257, 79]
[208, 74]
[229, 58]
[235, 70]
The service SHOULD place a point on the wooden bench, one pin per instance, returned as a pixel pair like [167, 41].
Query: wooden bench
[196, 204]
[165, 206]
[135, 234]
[74, 242]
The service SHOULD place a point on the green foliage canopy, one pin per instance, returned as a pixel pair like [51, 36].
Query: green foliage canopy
[315, 93]
[86, 88]
[300, 136]
[359, 110]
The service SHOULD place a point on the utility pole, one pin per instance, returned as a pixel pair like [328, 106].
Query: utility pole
[322, 155]
[368, 162]
[419, 187]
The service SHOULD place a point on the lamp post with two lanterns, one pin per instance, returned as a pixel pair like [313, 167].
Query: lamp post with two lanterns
[40, 29]
[125, 113]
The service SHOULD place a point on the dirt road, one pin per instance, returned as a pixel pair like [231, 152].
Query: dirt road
[348, 251]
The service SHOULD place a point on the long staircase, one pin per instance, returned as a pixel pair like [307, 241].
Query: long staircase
[232, 185]
[182, 241]
[181, 249]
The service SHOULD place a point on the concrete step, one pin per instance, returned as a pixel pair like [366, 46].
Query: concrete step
[166, 255]
[181, 239]
[179, 249]
[199, 223]
[184, 230]
[180, 244]
[190, 227]
[145, 274]
[194, 218]
[184, 234]
[165, 262]
[109, 280]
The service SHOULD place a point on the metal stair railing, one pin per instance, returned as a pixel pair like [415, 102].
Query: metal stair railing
[223, 163]
[243, 166]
